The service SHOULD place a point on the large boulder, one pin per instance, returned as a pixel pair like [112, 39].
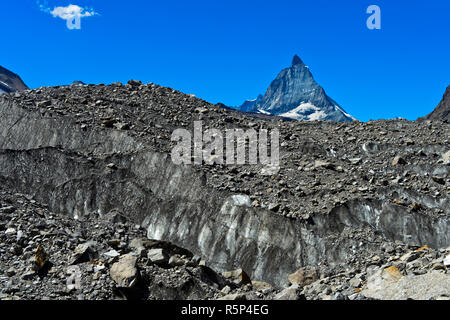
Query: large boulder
[238, 276]
[389, 284]
[84, 252]
[124, 272]
[290, 293]
[158, 256]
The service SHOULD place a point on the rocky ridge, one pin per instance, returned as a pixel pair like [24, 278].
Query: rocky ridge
[10, 82]
[442, 111]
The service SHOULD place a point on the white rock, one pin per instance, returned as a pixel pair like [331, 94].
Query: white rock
[290, 293]
[446, 157]
[158, 256]
[241, 200]
[111, 254]
[99, 268]
[10, 231]
[447, 260]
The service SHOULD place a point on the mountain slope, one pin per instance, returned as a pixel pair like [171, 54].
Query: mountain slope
[295, 94]
[442, 111]
[10, 82]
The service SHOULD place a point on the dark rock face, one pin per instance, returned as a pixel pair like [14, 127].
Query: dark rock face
[251, 105]
[336, 201]
[295, 94]
[442, 111]
[10, 82]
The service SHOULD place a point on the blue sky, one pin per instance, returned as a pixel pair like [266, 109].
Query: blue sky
[229, 51]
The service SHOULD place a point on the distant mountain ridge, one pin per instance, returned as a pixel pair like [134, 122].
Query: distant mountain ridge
[295, 94]
[10, 82]
[442, 111]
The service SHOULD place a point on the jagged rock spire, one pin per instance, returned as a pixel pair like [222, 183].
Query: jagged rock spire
[296, 60]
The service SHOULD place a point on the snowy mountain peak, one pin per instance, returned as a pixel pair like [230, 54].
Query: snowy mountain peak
[295, 94]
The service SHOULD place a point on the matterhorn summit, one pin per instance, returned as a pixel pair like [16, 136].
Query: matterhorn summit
[295, 94]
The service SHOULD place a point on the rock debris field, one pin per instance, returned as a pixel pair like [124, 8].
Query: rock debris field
[92, 207]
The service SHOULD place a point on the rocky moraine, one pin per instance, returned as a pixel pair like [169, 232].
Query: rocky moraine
[88, 192]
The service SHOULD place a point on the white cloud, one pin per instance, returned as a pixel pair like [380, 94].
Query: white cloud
[72, 13]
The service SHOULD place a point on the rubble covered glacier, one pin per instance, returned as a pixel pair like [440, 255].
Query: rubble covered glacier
[356, 211]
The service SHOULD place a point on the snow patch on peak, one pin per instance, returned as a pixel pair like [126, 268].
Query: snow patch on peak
[317, 115]
[345, 113]
[5, 84]
[305, 111]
